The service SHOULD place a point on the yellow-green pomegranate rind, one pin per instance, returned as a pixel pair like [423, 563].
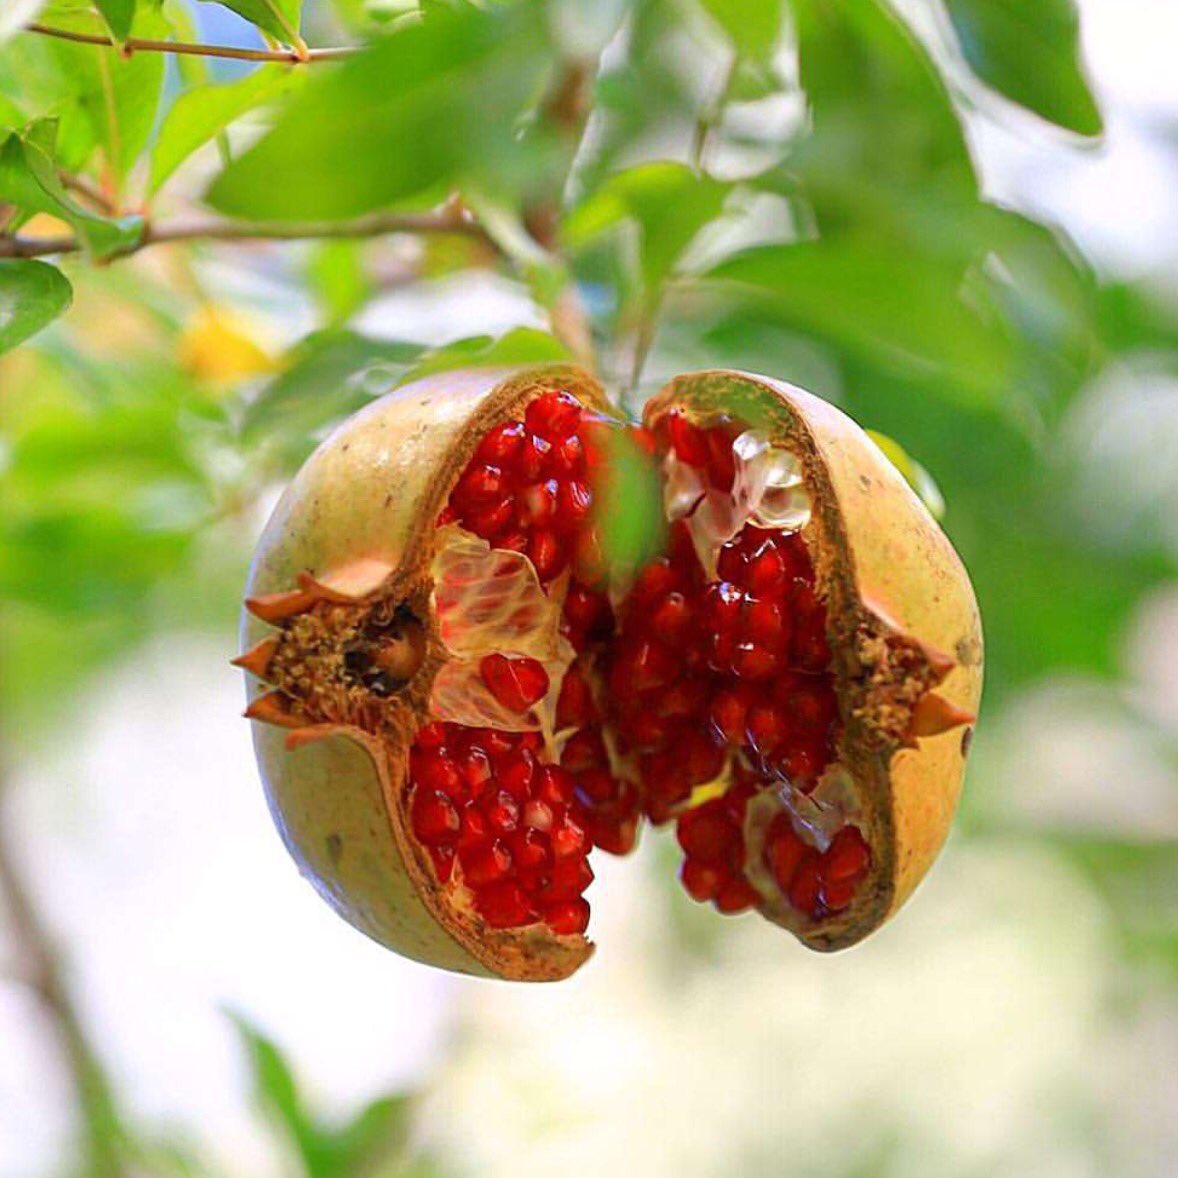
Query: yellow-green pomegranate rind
[361, 514]
[371, 493]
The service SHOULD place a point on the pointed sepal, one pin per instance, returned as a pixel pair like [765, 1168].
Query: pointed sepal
[276, 707]
[933, 715]
[277, 607]
[258, 658]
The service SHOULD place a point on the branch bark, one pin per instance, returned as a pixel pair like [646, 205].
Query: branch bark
[40, 968]
[299, 55]
[451, 218]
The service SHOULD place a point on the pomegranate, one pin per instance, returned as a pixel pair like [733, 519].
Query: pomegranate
[461, 699]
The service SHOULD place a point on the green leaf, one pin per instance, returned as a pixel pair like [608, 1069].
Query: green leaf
[338, 279]
[375, 1135]
[377, 1132]
[915, 475]
[118, 14]
[279, 18]
[1134, 317]
[331, 374]
[183, 26]
[29, 180]
[523, 345]
[200, 114]
[650, 93]
[275, 1089]
[629, 504]
[1030, 52]
[430, 107]
[754, 26]
[1052, 598]
[882, 302]
[668, 202]
[11, 116]
[1047, 294]
[881, 113]
[32, 294]
[100, 483]
[101, 98]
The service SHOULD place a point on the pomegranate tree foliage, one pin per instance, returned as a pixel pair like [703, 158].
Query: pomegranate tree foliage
[778, 185]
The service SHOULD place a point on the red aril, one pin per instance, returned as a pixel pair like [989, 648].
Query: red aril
[516, 683]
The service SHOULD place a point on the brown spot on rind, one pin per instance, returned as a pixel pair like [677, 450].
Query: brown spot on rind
[335, 847]
[969, 652]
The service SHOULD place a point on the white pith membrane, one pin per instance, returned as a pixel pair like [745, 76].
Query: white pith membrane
[767, 492]
[490, 600]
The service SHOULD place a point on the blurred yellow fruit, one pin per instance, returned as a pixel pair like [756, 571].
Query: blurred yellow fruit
[222, 347]
[41, 226]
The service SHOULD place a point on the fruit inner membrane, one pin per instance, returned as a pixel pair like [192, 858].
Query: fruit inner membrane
[696, 691]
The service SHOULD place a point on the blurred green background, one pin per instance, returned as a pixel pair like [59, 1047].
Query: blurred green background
[956, 219]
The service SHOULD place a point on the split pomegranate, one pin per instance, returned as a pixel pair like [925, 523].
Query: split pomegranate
[477, 699]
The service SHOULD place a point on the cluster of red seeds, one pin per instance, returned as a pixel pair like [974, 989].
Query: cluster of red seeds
[610, 803]
[527, 487]
[712, 838]
[485, 800]
[816, 882]
[659, 685]
[742, 664]
[688, 674]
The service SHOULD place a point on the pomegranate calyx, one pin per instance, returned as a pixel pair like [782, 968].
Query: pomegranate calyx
[276, 707]
[275, 608]
[933, 715]
[257, 659]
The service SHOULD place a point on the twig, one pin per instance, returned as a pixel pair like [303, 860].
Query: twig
[643, 338]
[448, 219]
[294, 56]
[646, 320]
[566, 108]
[41, 970]
[84, 188]
[711, 114]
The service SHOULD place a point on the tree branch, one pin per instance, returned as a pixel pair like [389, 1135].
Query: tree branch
[711, 115]
[299, 55]
[566, 108]
[450, 218]
[87, 190]
[40, 969]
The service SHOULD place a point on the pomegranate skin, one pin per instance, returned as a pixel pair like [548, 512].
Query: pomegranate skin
[359, 517]
[357, 526]
[894, 585]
